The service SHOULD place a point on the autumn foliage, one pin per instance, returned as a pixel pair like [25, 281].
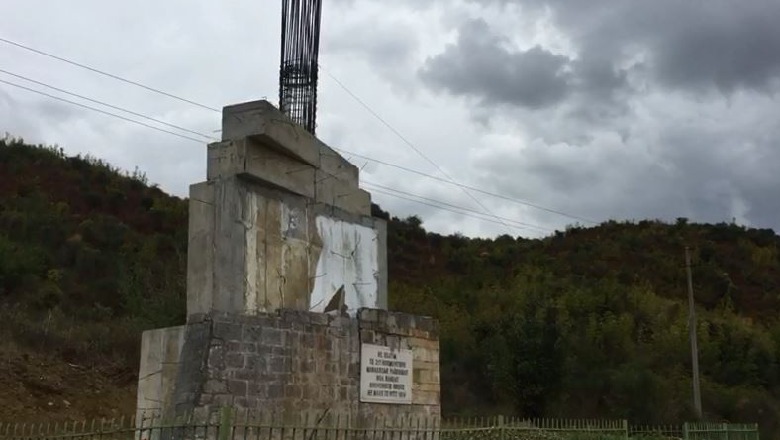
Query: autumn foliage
[588, 322]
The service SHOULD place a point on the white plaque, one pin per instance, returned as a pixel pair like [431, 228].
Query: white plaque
[385, 374]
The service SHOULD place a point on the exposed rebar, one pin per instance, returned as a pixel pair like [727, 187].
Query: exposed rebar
[299, 61]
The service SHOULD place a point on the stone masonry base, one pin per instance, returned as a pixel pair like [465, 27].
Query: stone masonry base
[289, 362]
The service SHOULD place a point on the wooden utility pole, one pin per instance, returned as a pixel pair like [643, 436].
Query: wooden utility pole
[692, 332]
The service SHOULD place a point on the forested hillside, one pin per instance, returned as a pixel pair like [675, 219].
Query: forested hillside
[589, 322]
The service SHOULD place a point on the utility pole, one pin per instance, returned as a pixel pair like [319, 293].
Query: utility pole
[692, 332]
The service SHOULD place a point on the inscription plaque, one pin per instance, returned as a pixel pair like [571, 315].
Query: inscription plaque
[385, 374]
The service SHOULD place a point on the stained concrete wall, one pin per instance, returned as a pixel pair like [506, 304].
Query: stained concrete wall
[260, 143]
[280, 223]
[160, 365]
[288, 362]
[255, 249]
[330, 181]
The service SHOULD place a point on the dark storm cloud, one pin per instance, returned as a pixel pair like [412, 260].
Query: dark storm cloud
[657, 109]
[692, 46]
[723, 171]
[708, 162]
[727, 45]
[481, 65]
[627, 121]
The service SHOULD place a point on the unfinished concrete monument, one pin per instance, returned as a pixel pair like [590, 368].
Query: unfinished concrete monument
[287, 289]
[280, 223]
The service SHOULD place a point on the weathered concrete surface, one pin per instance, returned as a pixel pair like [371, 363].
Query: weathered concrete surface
[280, 223]
[247, 159]
[160, 365]
[265, 125]
[201, 248]
[290, 361]
[254, 249]
[329, 189]
[254, 161]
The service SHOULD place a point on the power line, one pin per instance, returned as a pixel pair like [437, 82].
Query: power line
[448, 181]
[396, 193]
[105, 104]
[110, 75]
[408, 143]
[482, 217]
[199, 141]
[519, 223]
[430, 176]
[439, 204]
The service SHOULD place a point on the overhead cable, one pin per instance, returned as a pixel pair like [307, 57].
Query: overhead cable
[449, 180]
[110, 75]
[199, 141]
[375, 186]
[411, 145]
[106, 104]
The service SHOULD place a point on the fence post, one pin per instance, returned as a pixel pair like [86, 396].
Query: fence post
[625, 428]
[225, 422]
[685, 431]
[501, 432]
[725, 428]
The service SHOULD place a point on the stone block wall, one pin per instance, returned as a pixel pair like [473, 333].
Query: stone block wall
[291, 362]
[411, 332]
[288, 362]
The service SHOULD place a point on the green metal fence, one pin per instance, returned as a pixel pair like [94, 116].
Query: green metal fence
[656, 432]
[229, 424]
[720, 431]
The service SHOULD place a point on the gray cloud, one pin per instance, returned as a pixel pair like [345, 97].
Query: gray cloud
[709, 162]
[387, 46]
[602, 109]
[662, 109]
[725, 171]
[688, 45]
[728, 45]
[481, 65]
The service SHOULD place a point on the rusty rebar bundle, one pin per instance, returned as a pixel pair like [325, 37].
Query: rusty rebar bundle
[299, 61]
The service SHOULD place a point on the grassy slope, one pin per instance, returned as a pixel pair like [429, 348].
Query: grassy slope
[579, 324]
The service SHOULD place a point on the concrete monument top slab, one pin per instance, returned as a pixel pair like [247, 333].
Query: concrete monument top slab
[261, 143]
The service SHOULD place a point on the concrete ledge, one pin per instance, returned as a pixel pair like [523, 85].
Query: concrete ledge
[243, 157]
[337, 187]
[262, 123]
[330, 190]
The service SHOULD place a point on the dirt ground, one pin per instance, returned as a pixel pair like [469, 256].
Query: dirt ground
[38, 388]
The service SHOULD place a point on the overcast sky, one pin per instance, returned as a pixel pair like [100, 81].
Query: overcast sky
[599, 109]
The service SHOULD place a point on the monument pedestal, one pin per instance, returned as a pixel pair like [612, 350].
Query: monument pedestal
[378, 363]
[287, 291]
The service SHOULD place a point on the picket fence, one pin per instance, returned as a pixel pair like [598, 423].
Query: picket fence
[229, 424]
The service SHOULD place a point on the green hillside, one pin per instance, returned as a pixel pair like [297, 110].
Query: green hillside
[589, 322]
